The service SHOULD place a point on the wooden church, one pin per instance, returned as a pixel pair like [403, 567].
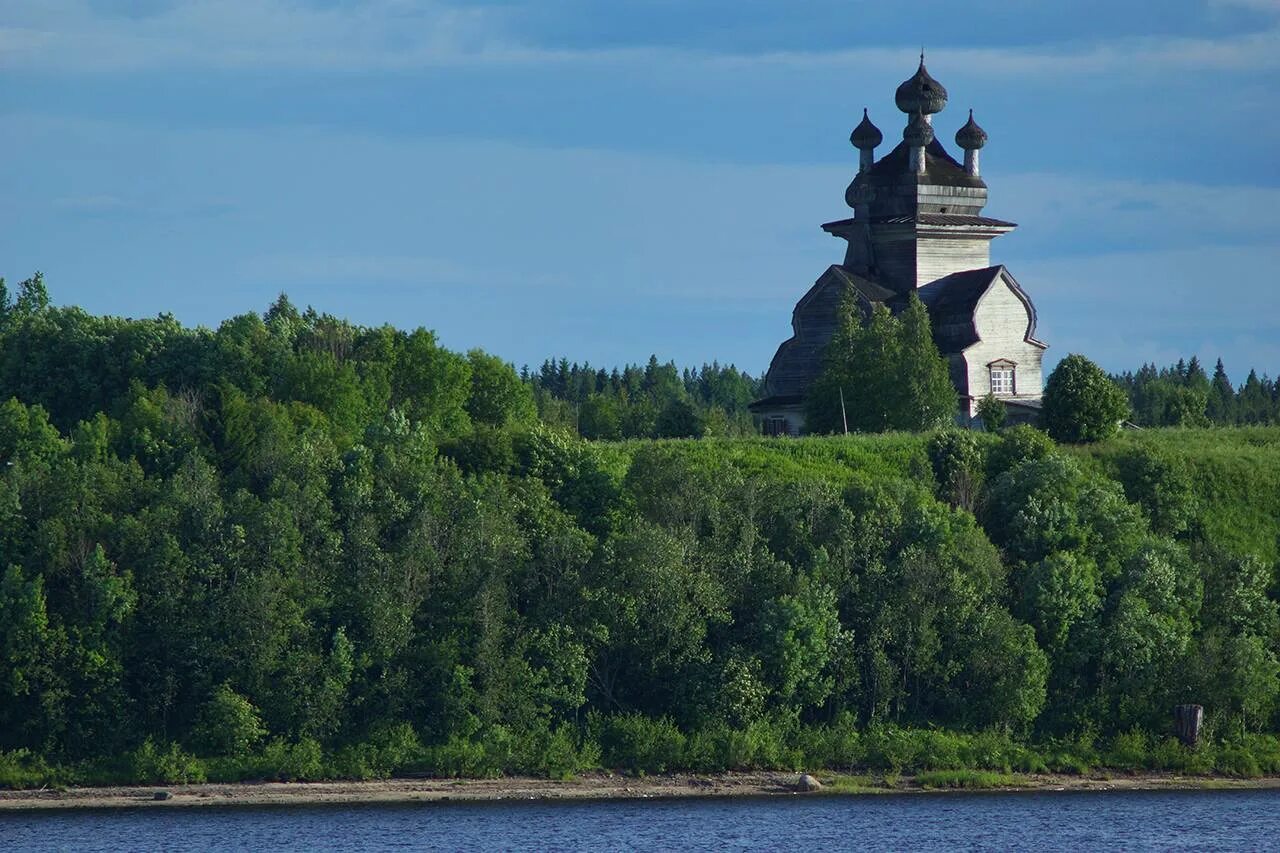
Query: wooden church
[918, 226]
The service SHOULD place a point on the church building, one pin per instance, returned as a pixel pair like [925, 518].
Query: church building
[918, 226]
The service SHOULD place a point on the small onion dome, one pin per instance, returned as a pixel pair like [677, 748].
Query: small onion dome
[971, 137]
[866, 135]
[918, 133]
[921, 94]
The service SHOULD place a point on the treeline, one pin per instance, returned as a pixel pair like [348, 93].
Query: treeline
[654, 401]
[293, 548]
[1184, 395]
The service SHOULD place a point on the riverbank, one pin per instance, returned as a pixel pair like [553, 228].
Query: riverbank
[600, 786]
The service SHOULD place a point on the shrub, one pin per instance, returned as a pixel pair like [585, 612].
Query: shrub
[890, 748]
[559, 752]
[1265, 750]
[388, 749]
[1236, 760]
[154, 764]
[22, 769]
[462, 757]
[1018, 444]
[836, 745]
[638, 744]
[292, 761]
[1130, 751]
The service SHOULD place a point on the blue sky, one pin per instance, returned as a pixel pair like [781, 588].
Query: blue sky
[606, 180]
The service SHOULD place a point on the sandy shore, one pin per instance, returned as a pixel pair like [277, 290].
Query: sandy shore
[589, 787]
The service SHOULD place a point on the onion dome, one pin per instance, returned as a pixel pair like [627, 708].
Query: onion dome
[921, 94]
[971, 137]
[918, 133]
[866, 135]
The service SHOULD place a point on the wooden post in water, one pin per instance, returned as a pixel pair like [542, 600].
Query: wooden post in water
[1186, 723]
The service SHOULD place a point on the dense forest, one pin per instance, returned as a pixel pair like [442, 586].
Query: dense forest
[1184, 395]
[297, 548]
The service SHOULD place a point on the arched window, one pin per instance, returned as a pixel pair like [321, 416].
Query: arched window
[1004, 380]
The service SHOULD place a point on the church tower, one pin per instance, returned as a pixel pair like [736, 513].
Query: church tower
[917, 226]
[917, 213]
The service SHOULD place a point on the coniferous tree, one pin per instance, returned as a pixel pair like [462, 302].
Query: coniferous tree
[1254, 402]
[888, 371]
[1222, 397]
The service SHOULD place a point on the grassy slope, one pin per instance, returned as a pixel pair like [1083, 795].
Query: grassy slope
[1235, 472]
[1235, 475]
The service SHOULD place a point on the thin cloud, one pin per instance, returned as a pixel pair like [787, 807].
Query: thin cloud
[73, 36]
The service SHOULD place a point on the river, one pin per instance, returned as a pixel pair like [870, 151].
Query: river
[1182, 820]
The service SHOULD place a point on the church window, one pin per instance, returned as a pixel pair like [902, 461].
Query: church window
[1002, 377]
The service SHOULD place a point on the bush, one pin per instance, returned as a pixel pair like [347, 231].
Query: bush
[153, 764]
[291, 761]
[1236, 760]
[1265, 750]
[1018, 444]
[462, 757]
[1081, 403]
[638, 744]
[22, 769]
[1130, 751]
[558, 753]
[891, 748]
[837, 745]
[388, 750]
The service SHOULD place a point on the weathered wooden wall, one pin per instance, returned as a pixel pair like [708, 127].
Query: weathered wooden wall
[1001, 319]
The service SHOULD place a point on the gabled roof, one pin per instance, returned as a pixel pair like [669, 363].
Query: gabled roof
[871, 291]
[953, 299]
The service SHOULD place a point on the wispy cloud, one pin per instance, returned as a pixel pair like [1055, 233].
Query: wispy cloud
[75, 36]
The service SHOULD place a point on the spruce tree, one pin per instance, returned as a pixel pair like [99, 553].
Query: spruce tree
[1222, 398]
[928, 399]
[888, 371]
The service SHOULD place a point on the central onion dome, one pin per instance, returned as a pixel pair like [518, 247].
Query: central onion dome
[918, 132]
[921, 94]
[971, 137]
[866, 135]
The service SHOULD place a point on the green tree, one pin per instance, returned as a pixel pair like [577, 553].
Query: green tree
[992, 413]
[228, 724]
[957, 461]
[498, 397]
[33, 296]
[888, 370]
[1081, 403]
[598, 418]
[1221, 405]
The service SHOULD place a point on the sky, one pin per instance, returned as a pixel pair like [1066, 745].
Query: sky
[606, 180]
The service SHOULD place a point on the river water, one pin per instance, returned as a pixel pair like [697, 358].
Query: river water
[1204, 820]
